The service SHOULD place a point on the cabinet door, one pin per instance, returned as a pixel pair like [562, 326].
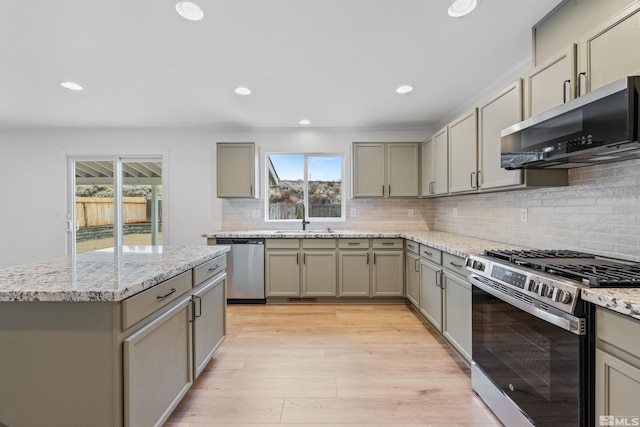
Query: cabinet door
[157, 367]
[617, 386]
[441, 162]
[236, 170]
[550, 83]
[354, 273]
[431, 293]
[402, 170]
[495, 114]
[463, 153]
[319, 273]
[388, 273]
[428, 173]
[611, 51]
[209, 323]
[456, 313]
[368, 170]
[282, 272]
[412, 278]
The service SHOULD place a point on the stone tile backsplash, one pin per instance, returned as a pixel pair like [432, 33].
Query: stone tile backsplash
[598, 212]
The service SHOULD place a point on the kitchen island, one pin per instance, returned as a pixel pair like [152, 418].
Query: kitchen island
[108, 338]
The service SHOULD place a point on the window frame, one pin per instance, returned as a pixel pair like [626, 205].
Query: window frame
[306, 155]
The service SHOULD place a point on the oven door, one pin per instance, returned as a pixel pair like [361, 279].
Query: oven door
[536, 366]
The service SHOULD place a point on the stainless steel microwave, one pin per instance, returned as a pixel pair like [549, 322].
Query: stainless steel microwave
[599, 127]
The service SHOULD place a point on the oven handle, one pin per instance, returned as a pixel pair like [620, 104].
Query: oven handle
[567, 322]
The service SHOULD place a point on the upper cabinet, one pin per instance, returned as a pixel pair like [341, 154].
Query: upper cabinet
[435, 164]
[385, 169]
[237, 170]
[463, 153]
[610, 52]
[551, 83]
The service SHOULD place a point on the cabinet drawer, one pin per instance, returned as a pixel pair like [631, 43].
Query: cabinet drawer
[282, 243]
[143, 304]
[454, 263]
[353, 243]
[617, 329]
[388, 244]
[209, 269]
[432, 254]
[319, 243]
[412, 246]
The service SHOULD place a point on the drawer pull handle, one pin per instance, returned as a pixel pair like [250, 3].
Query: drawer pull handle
[427, 253]
[410, 245]
[354, 243]
[455, 265]
[214, 268]
[388, 243]
[171, 292]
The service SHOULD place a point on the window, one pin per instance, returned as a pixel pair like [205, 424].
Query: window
[304, 185]
[114, 202]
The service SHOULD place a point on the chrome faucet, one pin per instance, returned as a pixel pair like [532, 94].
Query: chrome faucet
[300, 208]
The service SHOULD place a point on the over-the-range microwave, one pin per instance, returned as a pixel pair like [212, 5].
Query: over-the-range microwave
[599, 127]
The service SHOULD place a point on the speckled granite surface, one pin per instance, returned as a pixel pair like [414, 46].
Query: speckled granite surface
[101, 275]
[621, 300]
[452, 243]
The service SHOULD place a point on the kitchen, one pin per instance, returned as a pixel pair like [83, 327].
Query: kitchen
[597, 212]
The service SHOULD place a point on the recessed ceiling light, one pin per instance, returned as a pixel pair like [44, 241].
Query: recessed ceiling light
[404, 89]
[305, 122]
[189, 10]
[461, 7]
[243, 91]
[71, 85]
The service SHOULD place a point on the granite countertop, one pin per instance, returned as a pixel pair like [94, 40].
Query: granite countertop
[102, 275]
[621, 300]
[448, 242]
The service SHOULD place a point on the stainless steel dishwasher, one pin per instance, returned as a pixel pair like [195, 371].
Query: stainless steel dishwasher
[245, 270]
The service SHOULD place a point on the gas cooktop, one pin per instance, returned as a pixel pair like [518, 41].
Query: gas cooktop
[587, 269]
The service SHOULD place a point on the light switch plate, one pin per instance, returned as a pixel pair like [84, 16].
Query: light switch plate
[523, 215]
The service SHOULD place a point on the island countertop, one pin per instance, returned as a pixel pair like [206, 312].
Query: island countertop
[103, 275]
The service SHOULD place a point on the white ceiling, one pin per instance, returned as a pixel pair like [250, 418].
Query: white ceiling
[335, 62]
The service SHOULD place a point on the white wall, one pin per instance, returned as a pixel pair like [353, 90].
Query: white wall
[33, 174]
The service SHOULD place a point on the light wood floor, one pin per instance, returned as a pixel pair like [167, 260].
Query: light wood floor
[331, 365]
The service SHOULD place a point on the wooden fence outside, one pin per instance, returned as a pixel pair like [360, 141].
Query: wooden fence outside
[318, 210]
[98, 211]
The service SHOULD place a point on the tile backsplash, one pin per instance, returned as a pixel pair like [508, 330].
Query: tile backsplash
[597, 212]
[370, 214]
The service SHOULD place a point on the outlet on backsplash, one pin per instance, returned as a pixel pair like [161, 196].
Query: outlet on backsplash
[455, 212]
[523, 215]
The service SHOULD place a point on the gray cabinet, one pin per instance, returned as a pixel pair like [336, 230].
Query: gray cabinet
[609, 52]
[157, 367]
[237, 170]
[431, 292]
[209, 324]
[412, 272]
[354, 268]
[456, 305]
[388, 268]
[463, 153]
[385, 169]
[551, 83]
[435, 164]
[301, 268]
[617, 364]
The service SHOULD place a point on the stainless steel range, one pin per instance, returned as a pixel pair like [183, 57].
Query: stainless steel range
[533, 335]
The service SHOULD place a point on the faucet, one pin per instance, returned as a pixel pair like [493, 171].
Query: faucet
[300, 208]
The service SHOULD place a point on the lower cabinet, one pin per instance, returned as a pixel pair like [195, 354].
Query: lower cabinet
[412, 277]
[617, 364]
[456, 313]
[209, 323]
[351, 267]
[431, 292]
[157, 367]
